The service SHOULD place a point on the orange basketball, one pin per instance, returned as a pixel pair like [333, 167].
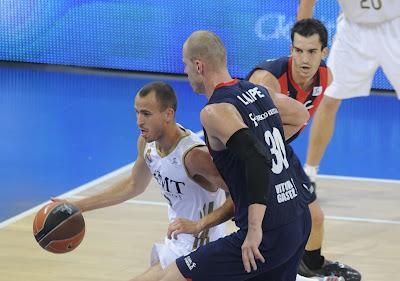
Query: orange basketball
[59, 227]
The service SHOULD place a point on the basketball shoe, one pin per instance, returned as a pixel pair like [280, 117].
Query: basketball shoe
[330, 269]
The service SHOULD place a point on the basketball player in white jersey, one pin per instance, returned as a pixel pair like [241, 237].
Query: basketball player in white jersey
[367, 36]
[188, 179]
[180, 163]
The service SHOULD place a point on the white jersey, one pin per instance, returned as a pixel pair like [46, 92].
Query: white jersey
[370, 11]
[185, 197]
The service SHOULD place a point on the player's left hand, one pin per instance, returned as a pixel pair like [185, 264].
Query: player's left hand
[250, 251]
[182, 226]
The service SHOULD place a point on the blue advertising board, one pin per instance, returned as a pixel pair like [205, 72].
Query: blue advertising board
[147, 35]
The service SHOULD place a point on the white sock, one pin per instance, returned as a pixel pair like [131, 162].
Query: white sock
[302, 278]
[326, 278]
[311, 171]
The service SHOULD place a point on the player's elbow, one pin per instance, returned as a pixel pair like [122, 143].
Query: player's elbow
[298, 115]
[304, 116]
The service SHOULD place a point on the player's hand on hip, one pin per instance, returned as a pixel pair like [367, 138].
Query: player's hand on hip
[250, 251]
[182, 226]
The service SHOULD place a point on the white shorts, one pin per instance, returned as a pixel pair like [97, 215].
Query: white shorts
[168, 252]
[357, 52]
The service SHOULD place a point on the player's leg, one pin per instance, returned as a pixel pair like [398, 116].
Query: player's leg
[162, 255]
[155, 272]
[389, 53]
[222, 259]
[172, 273]
[353, 65]
[321, 134]
[288, 270]
[313, 264]
[312, 255]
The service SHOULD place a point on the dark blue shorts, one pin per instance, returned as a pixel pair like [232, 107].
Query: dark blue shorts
[221, 260]
[306, 190]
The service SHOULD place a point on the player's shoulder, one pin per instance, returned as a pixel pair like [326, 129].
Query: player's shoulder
[218, 117]
[276, 66]
[210, 111]
[194, 158]
[195, 153]
[277, 61]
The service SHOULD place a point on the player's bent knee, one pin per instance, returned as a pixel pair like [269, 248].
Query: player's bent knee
[172, 273]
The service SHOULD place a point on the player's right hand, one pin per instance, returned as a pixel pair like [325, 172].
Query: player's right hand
[55, 199]
[182, 226]
[250, 250]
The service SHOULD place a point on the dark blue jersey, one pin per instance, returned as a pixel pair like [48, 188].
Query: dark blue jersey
[261, 116]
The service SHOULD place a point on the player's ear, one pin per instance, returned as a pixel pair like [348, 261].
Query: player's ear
[169, 114]
[199, 66]
[325, 52]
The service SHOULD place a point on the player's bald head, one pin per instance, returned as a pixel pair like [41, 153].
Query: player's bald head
[207, 46]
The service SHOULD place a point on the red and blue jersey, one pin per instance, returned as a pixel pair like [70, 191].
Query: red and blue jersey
[280, 68]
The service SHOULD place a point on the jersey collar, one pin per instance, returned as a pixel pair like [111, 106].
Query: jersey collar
[229, 83]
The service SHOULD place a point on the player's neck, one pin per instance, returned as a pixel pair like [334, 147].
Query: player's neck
[214, 79]
[170, 139]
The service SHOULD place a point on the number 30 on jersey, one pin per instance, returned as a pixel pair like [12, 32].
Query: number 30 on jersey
[277, 148]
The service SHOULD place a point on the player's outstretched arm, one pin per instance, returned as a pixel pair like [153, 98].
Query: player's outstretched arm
[122, 190]
[306, 9]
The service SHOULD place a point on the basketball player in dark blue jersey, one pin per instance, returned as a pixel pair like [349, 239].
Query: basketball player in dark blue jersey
[245, 136]
[304, 77]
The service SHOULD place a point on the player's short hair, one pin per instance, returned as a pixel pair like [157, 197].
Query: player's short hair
[309, 27]
[206, 45]
[165, 95]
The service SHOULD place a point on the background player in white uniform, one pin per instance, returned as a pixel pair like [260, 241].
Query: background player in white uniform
[367, 36]
[180, 163]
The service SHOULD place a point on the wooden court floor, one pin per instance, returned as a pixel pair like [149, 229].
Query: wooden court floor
[362, 230]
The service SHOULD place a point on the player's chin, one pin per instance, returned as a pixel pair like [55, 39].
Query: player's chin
[146, 137]
[197, 87]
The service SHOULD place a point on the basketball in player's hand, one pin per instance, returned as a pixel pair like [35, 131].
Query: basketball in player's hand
[59, 227]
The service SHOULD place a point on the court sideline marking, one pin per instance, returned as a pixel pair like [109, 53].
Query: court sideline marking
[128, 167]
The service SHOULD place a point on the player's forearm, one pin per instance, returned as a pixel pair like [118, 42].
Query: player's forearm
[256, 214]
[291, 111]
[118, 193]
[306, 9]
[220, 215]
[290, 130]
